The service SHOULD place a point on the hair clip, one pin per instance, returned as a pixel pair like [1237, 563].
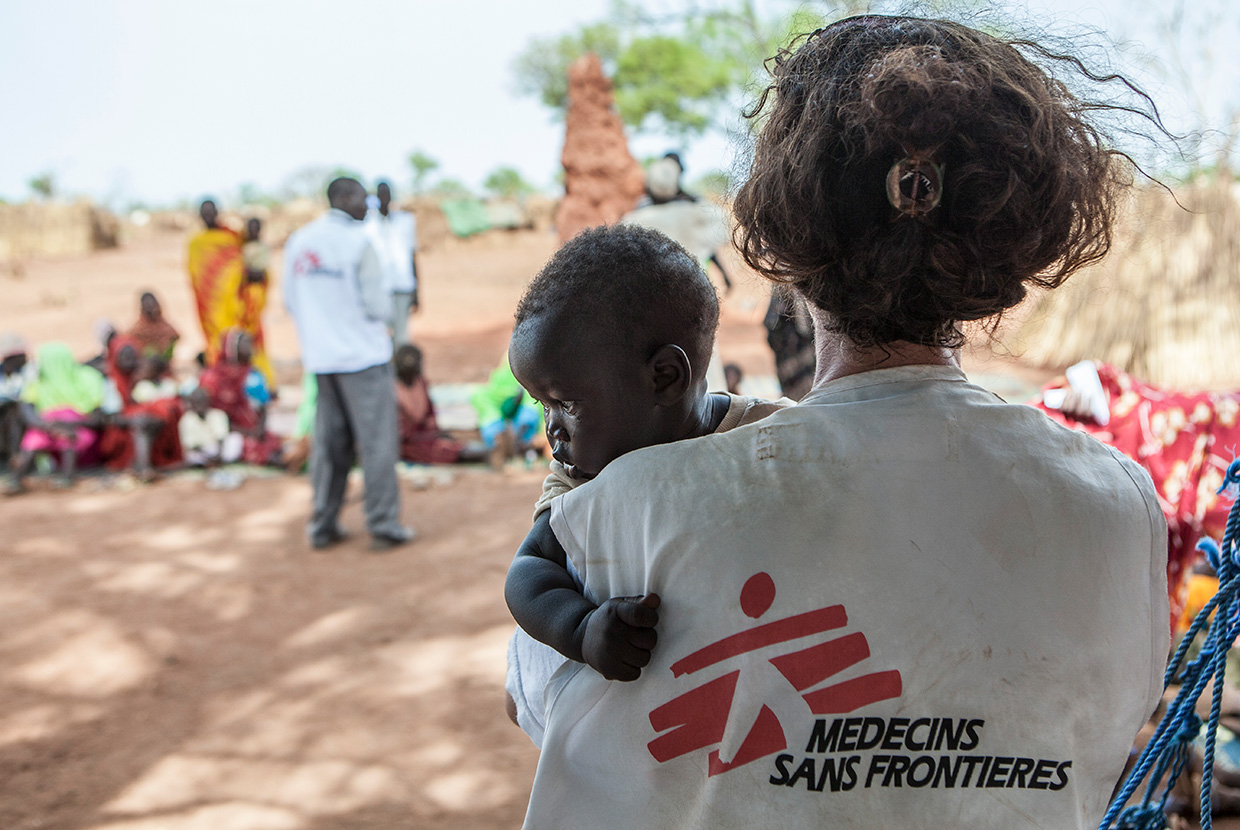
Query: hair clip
[915, 184]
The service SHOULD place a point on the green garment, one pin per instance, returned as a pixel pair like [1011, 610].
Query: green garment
[63, 383]
[494, 400]
[309, 403]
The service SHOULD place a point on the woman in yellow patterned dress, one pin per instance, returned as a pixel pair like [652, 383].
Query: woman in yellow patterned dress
[222, 293]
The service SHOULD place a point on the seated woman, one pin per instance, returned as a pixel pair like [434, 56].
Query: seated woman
[421, 440]
[141, 431]
[61, 410]
[238, 389]
[156, 337]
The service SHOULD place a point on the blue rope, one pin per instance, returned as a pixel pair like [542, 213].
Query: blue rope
[1167, 752]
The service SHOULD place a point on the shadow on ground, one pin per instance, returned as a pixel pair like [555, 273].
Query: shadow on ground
[173, 658]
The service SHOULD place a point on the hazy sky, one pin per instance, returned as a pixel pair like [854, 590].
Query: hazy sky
[166, 99]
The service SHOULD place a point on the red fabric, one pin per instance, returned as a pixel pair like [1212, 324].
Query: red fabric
[420, 438]
[124, 382]
[225, 384]
[116, 443]
[154, 337]
[1185, 442]
[265, 449]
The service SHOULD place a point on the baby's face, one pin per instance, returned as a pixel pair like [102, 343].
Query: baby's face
[597, 407]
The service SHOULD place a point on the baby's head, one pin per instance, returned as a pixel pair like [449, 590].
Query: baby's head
[613, 337]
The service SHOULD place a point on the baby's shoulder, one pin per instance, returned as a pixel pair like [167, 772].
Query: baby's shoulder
[747, 409]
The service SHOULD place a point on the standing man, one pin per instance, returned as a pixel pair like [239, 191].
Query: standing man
[395, 236]
[337, 294]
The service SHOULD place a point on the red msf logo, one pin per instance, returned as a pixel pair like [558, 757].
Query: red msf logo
[306, 263]
[699, 717]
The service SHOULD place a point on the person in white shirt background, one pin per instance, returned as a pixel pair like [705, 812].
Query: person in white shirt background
[394, 233]
[336, 292]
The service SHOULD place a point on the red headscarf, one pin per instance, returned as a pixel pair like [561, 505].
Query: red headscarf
[155, 337]
[124, 382]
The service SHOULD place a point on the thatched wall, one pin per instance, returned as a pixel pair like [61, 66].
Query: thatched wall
[53, 229]
[279, 221]
[1164, 305]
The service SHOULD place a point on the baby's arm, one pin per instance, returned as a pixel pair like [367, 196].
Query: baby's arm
[614, 638]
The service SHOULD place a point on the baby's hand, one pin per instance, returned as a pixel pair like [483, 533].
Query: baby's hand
[619, 636]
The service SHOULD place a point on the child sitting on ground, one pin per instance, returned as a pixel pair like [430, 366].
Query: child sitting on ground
[421, 439]
[153, 381]
[613, 338]
[205, 436]
[236, 387]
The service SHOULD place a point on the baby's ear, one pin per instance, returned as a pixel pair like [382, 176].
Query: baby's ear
[671, 374]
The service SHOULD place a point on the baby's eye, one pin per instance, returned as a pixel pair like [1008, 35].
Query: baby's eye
[570, 408]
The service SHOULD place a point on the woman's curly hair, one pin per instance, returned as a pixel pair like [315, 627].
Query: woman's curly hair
[1029, 187]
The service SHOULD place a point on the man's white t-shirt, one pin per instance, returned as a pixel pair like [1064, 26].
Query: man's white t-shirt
[901, 603]
[332, 289]
[395, 238]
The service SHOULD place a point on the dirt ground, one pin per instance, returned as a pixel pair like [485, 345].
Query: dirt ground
[175, 658]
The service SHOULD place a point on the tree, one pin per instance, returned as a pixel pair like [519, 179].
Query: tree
[249, 193]
[673, 73]
[423, 165]
[43, 185]
[506, 182]
[542, 69]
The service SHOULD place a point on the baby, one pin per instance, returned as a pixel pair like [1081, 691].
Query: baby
[255, 255]
[205, 436]
[612, 338]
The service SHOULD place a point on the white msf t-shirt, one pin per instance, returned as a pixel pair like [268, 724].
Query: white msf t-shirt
[902, 603]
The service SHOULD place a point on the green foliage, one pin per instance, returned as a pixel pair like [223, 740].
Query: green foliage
[507, 183]
[542, 69]
[673, 73]
[43, 185]
[249, 193]
[450, 188]
[673, 81]
[423, 165]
